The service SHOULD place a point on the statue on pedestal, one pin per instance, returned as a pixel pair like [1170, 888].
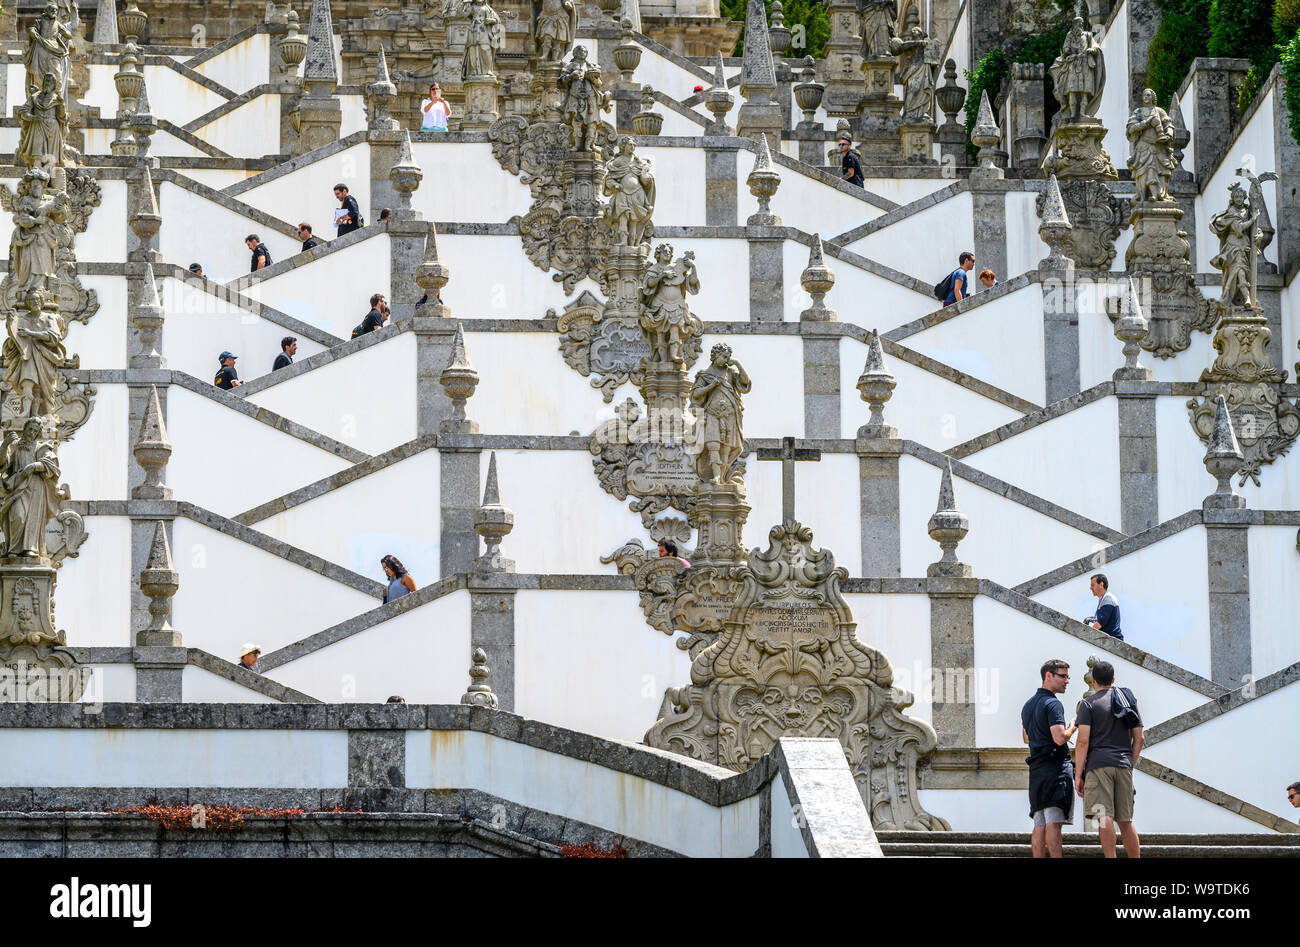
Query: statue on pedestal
[48, 46]
[584, 100]
[1239, 244]
[557, 25]
[1150, 133]
[879, 23]
[917, 76]
[33, 353]
[1078, 74]
[630, 187]
[43, 119]
[38, 228]
[666, 317]
[485, 37]
[29, 493]
[716, 397]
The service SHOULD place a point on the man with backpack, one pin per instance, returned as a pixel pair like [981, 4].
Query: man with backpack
[375, 318]
[955, 286]
[1108, 747]
[1051, 777]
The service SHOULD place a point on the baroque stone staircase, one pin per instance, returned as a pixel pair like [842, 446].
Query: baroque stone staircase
[1075, 845]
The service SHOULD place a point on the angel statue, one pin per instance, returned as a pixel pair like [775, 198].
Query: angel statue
[557, 24]
[1239, 243]
[485, 38]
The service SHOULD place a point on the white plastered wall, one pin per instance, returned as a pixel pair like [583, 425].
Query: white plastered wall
[307, 192]
[1000, 342]
[95, 461]
[899, 626]
[366, 400]
[332, 293]
[926, 407]
[774, 408]
[859, 296]
[185, 99]
[232, 592]
[94, 589]
[199, 686]
[1113, 109]
[422, 655]
[1024, 248]
[101, 342]
[803, 202]
[925, 244]
[679, 184]
[105, 238]
[249, 131]
[1274, 567]
[1100, 353]
[1072, 460]
[1253, 148]
[1163, 603]
[903, 191]
[464, 183]
[596, 644]
[241, 67]
[1007, 543]
[1010, 647]
[490, 278]
[357, 524]
[196, 230]
[227, 462]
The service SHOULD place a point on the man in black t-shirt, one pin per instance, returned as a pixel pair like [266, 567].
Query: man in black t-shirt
[1105, 757]
[1051, 776]
[350, 217]
[261, 255]
[305, 235]
[374, 319]
[227, 377]
[850, 166]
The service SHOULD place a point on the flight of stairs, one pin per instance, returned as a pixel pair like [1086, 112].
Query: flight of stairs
[1016, 845]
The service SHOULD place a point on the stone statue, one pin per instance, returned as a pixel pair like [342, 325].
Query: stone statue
[1239, 244]
[485, 37]
[1151, 140]
[879, 24]
[39, 226]
[33, 353]
[917, 76]
[1079, 73]
[584, 100]
[666, 318]
[43, 119]
[557, 24]
[48, 47]
[630, 187]
[716, 397]
[29, 494]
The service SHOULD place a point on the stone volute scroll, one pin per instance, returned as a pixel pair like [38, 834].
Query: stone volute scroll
[1266, 423]
[788, 662]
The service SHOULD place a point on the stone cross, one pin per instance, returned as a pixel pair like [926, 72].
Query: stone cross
[788, 454]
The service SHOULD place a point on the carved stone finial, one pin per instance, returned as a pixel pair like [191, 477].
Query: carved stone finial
[493, 521]
[778, 34]
[1182, 137]
[131, 22]
[985, 135]
[627, 54]
[320, 74]
[380, 96]
[817, 280]
[1054, 228]
[405, 177]
[763, 182]
[152, 450]
[876, 386]
[808, 95]
[106, 23]
[948, 526]
[432, 274]
[480, 692]
[758, 74]
[1131, 328]
[145, 220]
[159, 581]
[143, 123]
[147, 318]
[719, 100]
[458, 380]
[1223, 458]
[647, 122]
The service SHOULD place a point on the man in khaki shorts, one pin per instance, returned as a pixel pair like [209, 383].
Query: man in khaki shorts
[1105, 754]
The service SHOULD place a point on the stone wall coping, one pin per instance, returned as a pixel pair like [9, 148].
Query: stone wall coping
[225, 108]
[1020, 425]
[230, 203]
[294, 164]
[191, 139]
[820, 787]
[1223, 704]
[302, 258]
[336, 349]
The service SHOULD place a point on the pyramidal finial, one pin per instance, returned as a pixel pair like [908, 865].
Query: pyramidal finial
[405, 158]
[764, 161]
[153, 429]
[492, 491]
[1054, 209]
[1176, 115]
[106, 22]
[142, 100]
[1131, 306]
[160, 553]
[875, 353]
[947, 499]
[816, 256]
[459, 356]
[719, 75]
[150, 297]
[1223, 439]
[759, 72]
[149, 201]
[985, 122]
[381, 70]
[320, 65]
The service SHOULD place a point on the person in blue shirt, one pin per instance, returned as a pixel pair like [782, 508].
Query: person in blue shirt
[1107, 617]
[960, 278]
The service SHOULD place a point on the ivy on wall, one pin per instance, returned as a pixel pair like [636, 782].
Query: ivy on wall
[1290, 59]
[991, 73]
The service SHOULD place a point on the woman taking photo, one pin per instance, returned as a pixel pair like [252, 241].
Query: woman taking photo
[434, 111]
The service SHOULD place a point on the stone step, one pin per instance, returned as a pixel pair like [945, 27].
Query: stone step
[1016, 845]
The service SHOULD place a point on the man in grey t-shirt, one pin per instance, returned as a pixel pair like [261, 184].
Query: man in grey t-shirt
[1104, 757]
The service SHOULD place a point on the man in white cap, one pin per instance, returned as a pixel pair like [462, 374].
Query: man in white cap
[249, 655]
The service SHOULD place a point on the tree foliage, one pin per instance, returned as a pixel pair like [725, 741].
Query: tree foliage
[1183, 35]
[801, 16]
[992, 71]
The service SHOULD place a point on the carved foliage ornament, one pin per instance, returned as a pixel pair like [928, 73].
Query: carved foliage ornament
[606, 348]
[788, 662]
[1096, 216]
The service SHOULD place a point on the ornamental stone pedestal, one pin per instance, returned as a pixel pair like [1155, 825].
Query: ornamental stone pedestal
[1159, 258]
[877, 129]
[480, 103]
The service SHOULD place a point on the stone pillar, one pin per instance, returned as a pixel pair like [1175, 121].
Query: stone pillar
[458, 451]
[878, 448]
[158, 656]
[1143, 19]
[1228, 555]
[1025, 123]
[1286, 162]
[987, 27]
[821, 349]
[407, 232]
[952, 592]
[989, 205]
[760, 114]
[492, 598]
[766, 249]
[1138, 486]
[843, 63]
[321, 114]
[1214, 83]
[720, 206]
[1060, 304]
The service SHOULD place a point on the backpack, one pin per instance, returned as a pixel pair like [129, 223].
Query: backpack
[1123, 707]
[943, 288]
[358, 330]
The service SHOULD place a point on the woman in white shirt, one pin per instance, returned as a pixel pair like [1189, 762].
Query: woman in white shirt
[434, 111]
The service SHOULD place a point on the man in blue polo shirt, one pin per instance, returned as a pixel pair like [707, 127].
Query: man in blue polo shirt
[1107, 617]
[960, 279]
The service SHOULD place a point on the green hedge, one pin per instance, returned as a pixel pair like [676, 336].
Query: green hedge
[1290, 58]
[1183, 35]
[808, 13]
